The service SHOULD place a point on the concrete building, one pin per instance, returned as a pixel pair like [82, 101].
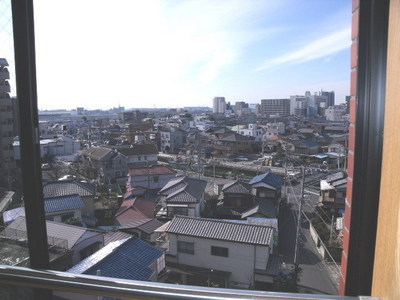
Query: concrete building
[335, 113]
[7, 163]
[219, 105]
[330, 97]
[252, 130]
[172, 140]
[274, 107]
[59, 146]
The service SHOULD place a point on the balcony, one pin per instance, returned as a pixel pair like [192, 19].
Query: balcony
[4, 74]
[5, 88]
[129, 289]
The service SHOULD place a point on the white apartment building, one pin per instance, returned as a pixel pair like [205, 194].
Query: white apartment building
[219, 105]
[335, 113]
[60, 146]
[252, 130]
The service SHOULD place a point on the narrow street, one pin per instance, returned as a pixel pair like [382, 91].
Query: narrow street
[315, 277]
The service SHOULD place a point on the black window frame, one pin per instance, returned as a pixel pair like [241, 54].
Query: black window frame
[185, 247]
[219, 251]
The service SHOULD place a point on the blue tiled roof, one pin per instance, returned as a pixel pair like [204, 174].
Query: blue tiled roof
[269, 178]
[61, 203]
[127, 259]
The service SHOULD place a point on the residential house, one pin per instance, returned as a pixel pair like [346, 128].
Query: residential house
[86, 191]
[229, 254]
[252, 130]
[58, 209]
[233, 144]
[267, 191]
[181, 196]
[140, 155]
[306, 147]
[79, 241]
[172, 140]
[104, 164]
[134, 209]
[235, 198]
[333, 191]
[149, 178]
[143, 229]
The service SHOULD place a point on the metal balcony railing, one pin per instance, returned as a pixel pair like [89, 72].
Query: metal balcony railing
[130, 289]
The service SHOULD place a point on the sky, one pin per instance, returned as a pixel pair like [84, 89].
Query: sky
[177, 53]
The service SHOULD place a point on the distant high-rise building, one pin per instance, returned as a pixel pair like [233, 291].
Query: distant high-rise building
[279, 107]
[330, 97]
[7, 163]
[219, 105]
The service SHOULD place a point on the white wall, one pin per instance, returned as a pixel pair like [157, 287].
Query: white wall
[241, 261]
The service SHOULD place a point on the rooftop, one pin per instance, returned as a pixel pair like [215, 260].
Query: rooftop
[221, 230]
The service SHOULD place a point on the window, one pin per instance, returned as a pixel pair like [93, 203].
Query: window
[186, 247]
[219, 251]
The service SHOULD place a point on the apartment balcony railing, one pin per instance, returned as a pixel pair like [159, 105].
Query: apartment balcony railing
[4, 74]
[130, 289]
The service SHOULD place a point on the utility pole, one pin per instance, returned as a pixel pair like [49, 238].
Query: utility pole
[148, 180]
[331, 231]
[296, 250]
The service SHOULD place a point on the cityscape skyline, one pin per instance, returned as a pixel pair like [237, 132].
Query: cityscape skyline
[177, 54]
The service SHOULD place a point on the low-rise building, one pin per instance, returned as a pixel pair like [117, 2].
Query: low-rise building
[181, 196]
[226, 254]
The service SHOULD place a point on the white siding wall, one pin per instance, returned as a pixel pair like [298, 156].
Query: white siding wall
[241, 261]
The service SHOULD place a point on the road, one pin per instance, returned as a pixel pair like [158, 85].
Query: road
[315, 277]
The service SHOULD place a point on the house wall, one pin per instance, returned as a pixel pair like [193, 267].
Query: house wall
[136, 181]
[88, 239]
[241, 261]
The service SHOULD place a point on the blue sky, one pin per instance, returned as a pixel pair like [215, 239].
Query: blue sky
[175, 53]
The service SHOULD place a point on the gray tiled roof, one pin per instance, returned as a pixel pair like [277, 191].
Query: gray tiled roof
[335, 176]
[184, 189]
[110, 237]
[266, 208]
[235, 137]
[237, 187]
[97, 153]
[57, 230]
[145, 225]
[221, 230]
[68, 187]
[69, 202]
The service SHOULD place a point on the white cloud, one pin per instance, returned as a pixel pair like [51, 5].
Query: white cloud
[323, 47]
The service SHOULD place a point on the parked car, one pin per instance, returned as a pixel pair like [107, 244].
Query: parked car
[242, 158]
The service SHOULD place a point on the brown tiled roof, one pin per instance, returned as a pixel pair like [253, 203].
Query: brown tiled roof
[135, 209]
[152, 170]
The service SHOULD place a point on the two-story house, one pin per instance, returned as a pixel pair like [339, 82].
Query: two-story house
[140, 155]
[235, 198]
[86, 191]
[181, 196]
[58, 209]
[223, 253]
[267, 191]
[104, 164]
[333, 191]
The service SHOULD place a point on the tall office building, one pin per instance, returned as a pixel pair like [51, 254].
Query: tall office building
[275, 107]
[7, 163]
[219, 105]
[330, 98]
